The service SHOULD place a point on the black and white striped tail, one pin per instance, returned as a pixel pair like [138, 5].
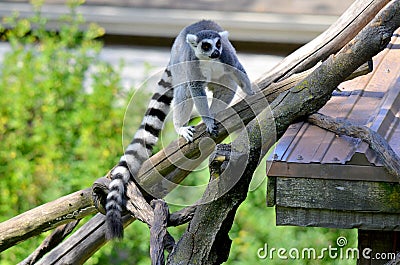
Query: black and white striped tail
[135, 154]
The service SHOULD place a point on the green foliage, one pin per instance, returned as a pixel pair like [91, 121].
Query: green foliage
[60, 124]
[59, 132]
[52, 130]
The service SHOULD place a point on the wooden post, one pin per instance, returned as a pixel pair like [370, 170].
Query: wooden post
[377, 247]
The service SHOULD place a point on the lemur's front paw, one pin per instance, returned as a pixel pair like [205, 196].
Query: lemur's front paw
[212, 128]
[213, 131]
[250, 89]
[187, 132]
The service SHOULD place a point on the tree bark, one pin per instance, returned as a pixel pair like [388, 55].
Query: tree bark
[58, 235]
[158, 232]
[331, 41]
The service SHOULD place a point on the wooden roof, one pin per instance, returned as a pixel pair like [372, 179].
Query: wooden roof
[372, 100]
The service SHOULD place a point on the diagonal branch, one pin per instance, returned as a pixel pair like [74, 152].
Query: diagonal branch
[331, 41]
[376, 142]
[58, 235]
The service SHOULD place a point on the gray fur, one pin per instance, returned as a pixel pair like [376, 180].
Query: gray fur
[221, 74]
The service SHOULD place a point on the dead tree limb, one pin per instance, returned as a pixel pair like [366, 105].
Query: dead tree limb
[45, 217]
[182, 216]
[150, 215]
[316, 89]
[158, 232]
[331, 41]
[77, 251]
[376, 142]
[208, 231]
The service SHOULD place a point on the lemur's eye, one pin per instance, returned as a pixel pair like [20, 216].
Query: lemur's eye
[218, 44]
[206, 46]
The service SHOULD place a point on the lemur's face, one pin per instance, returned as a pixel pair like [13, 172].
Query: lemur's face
[207, 45]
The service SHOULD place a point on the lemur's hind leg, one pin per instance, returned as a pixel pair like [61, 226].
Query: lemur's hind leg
[182, 109]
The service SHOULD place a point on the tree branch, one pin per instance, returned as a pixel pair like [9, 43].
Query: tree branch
[376, 142]
[45, 217]
[314, 91]
[331, 41]
[158, 232]
[58, 235]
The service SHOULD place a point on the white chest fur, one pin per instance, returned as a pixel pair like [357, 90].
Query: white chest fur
[211, 70]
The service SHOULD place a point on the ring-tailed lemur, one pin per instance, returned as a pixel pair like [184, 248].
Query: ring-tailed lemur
[213, 63]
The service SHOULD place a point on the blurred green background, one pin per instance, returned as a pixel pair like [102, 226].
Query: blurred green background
[58, 134]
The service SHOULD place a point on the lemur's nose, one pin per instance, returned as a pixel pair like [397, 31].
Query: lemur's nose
[215, 54]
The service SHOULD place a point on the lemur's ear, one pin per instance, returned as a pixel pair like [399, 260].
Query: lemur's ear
[224, 34]
[191, 39]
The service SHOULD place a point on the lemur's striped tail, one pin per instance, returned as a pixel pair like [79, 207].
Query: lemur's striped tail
[136, 153]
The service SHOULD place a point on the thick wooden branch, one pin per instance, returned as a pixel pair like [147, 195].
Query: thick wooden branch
[158, 232]
[376, 142]
[45, 217]
[331, 41]
[316, 89]
[148, 214]
[182, 216]
[138, 206]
